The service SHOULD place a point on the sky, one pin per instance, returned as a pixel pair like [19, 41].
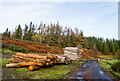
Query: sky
[99, 19]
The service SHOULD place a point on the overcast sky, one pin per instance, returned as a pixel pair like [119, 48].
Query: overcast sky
[99, 19]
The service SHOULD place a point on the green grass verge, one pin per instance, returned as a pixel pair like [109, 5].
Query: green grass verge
[0, 50]
[53, 72]
[106, 65]
[7, 51]
[92, 59]
[4, 61]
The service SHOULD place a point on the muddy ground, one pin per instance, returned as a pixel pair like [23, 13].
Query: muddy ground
[7, 73]
[91, 70]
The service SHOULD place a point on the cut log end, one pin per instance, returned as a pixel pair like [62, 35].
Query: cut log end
[31, 67]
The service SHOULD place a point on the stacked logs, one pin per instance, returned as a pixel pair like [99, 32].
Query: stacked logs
[35, 61]
[73, 53]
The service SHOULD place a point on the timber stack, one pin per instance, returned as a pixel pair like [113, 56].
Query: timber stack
[36, 61]
[73, 53]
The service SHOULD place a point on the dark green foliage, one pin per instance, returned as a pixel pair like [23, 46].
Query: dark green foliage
[106, 49]
[13, 48]
[118, 55]
[22, 49]
[25, 37]
[16, 49]
[116, 66]
[18, 33]
[3, 45]
[6, 33]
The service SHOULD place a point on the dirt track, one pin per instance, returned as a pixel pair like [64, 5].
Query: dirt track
[91, 70]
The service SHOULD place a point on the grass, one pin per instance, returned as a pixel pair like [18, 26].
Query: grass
[4, 61]
[106, 65]
[0, 50]
[92, 59]
[7, 51]
[53, 72]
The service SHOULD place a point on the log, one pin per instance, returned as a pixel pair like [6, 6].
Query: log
[31, 55]
[51, 62]
[18, 60]
[13, 65]
[61, 59]
[29, 59]
[31, 63]
[24, 64]
[47, 63]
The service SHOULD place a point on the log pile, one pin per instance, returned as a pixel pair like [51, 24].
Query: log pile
[35, 61]
[73, 53]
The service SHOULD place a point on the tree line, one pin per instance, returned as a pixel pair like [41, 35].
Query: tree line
[56, 35]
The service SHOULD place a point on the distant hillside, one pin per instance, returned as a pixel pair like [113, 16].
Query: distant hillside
[32, 47]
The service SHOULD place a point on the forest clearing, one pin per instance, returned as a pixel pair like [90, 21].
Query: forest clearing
[55, 54]
[59, 40]
[54, 69]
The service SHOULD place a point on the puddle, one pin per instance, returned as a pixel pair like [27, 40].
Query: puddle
[91, 70]
[80, 78]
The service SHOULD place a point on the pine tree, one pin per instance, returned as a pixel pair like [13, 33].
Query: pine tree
[106, 49]
[33, 30]
[29, 35]
[63, 42]
[47, 37]
[9, 34]
[68, 41]
[81, 40]
[72, 38]
[52, 35]
[108, 45]
[57, 34]
[111, 46]
[90, 41]
[101, 45]
[115, 46]
[119, 55]
[98, 44]
[6, 33]
[18, 32]
[25, 37]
